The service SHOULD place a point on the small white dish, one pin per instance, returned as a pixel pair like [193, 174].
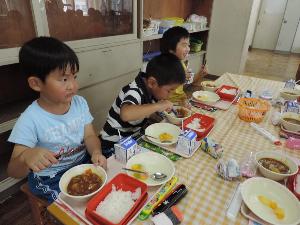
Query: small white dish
[157, 129]
[290, 94]
[291, 121]
[259, 186]
[175, 120]
[152, 162]
[209, 86]
[206, 96]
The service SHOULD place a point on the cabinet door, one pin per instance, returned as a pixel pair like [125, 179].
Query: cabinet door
[16, 23]
[106, 63]
[70, 20]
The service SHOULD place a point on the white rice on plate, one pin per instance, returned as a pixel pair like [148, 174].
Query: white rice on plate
[117, 204]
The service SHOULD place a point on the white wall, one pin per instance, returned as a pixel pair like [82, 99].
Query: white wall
[250, 32]
[101, 96]
[252, 23]
[296, 44]
[227, 35]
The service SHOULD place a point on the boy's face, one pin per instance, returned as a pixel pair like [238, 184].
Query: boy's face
[183, 48]
[59, 87]
[163, 92]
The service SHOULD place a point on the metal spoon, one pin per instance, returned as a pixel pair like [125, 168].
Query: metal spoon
[154, 176]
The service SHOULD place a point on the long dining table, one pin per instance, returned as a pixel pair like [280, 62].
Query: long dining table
[209, 194]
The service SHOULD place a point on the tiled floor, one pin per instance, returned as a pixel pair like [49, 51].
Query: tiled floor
[269, 65]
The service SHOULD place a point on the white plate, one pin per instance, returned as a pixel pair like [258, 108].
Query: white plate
[206, 96]
[156, 129]
[152, 162]
[253, 187]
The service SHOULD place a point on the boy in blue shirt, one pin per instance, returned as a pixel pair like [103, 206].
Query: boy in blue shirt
[55, 132]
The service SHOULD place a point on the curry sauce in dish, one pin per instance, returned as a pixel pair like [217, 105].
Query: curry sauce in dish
[84, 184]
[274, 165]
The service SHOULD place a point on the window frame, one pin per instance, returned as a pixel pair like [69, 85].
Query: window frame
[10, 55]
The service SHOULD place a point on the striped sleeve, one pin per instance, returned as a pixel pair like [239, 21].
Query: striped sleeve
[133, 97]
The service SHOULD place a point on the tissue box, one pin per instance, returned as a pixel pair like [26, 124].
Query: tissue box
[125, 149]
[186, 142]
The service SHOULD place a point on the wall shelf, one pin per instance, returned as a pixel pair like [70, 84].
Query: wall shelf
[158, 36]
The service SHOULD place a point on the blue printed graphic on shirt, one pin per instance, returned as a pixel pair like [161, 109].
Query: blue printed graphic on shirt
[61, 134]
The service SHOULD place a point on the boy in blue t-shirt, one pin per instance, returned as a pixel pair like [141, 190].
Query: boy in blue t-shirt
[55, 132]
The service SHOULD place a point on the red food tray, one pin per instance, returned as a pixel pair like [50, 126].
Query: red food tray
[206, 122]
[121, 181]
[224, 96]
[94, 220]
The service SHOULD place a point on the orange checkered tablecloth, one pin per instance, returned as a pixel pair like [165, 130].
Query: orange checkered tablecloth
[209, 195]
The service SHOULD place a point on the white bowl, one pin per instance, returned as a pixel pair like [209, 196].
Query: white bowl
[206, 96]
[256, 186]
[289, 94]
[280, 157]
[288, 125]
[77, 170]
[209, 86]
[153, 162]
[156, 129]
[175, 120]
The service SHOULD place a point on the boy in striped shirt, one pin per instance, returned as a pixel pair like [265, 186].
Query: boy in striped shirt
[144, 96]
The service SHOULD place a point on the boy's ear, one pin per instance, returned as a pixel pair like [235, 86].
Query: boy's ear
[152, 82]
[34, 83]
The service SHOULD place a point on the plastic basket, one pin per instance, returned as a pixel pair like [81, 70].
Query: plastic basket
[252, 109]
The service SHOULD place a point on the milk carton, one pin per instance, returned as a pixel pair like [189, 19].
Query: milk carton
[186, 142]
[125, 149]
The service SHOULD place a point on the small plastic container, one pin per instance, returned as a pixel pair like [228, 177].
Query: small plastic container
[206, 123]
[224, 96]
[121, 181]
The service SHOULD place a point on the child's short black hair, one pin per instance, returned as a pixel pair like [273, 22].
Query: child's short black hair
[166, 69]
[171, 37]
[40, 56]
